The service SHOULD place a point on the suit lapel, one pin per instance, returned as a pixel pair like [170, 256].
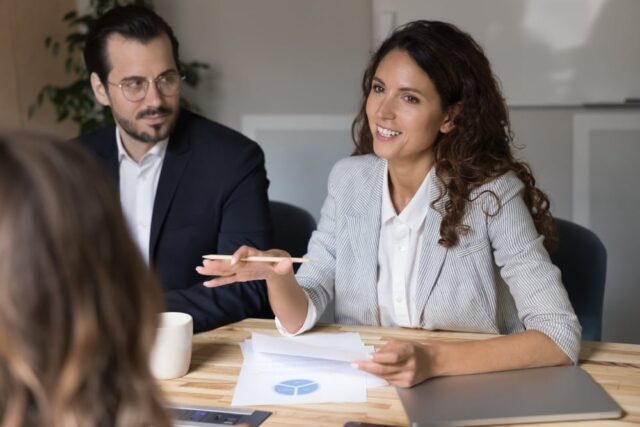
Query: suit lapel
[107, 149]
[363, 219]
[173, 167]
[433, 254]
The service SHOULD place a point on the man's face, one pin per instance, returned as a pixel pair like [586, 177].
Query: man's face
[151, 118]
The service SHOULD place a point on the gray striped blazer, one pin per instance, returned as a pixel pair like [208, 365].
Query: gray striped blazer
[497, 279]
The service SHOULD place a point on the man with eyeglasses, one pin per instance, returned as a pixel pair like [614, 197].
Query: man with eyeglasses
[188, 186]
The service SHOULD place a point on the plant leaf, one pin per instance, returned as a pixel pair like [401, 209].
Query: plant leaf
[62, 115]
[69, 15]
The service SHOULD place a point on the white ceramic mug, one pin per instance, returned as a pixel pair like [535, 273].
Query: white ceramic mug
[171, 353]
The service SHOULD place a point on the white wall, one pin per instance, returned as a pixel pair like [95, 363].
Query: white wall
[275, 56]
[546, 52]
[546, 138]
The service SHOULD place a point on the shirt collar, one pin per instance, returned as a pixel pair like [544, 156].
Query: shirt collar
[159, 148]
[415, 212]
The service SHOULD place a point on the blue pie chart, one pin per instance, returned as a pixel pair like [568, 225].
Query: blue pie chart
[296, 387]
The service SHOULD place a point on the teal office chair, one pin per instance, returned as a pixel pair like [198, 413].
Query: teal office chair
[292, 228]
[582, 259]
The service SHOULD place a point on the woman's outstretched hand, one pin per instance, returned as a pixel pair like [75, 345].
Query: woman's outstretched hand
[237, 270]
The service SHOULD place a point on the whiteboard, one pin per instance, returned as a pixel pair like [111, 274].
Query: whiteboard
[544, 52]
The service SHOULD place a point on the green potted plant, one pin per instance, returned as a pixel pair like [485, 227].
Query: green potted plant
[75, 101]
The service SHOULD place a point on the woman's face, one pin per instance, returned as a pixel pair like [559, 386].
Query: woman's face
[404, 111]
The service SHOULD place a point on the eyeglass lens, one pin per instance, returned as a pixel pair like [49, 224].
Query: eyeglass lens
[134, 89]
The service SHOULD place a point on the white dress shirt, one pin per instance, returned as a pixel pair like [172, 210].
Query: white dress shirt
[401, 237]
[401, 240]
[138, 185]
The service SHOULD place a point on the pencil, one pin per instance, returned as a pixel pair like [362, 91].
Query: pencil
[257, 258]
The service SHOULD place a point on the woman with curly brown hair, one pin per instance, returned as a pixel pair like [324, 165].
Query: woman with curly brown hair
[79, 306]
[432, 223]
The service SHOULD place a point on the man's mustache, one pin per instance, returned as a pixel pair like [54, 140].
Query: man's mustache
[153, 111]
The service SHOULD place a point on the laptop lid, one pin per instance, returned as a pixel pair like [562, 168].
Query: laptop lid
[563, 393]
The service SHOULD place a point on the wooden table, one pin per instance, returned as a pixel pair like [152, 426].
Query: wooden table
[217, 359]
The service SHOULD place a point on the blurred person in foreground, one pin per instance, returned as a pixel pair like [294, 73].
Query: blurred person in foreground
[79, 306]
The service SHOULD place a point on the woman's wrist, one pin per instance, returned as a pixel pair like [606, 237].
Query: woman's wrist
[279, 282]
[436, 355]
[287, 300]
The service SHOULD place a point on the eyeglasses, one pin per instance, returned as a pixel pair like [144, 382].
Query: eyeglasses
[135, 89]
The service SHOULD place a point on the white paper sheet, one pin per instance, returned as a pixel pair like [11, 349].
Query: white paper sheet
[268, 378]
[346, 347]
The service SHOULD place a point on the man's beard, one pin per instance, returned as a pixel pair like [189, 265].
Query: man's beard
[130, 129]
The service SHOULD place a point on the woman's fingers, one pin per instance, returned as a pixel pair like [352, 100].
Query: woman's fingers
[378, 369]
[283, 267]
[243, 252]
[401, 363]
[214, 268]
[394, 374]
[220, 281]
[394, 352]
[237, 270]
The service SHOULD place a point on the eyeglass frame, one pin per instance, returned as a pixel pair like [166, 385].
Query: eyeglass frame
[147, 83]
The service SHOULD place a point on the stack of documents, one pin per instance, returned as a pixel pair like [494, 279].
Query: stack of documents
[313, 368]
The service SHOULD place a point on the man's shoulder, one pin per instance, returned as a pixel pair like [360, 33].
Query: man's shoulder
[98, 140]
[105, 132]
[203, 132]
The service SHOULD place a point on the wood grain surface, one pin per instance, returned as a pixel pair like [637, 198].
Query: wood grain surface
[217, 359]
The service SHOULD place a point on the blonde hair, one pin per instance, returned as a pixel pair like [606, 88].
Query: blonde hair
[79, 306]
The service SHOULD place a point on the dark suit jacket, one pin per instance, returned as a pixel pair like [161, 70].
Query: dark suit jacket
[211, 198]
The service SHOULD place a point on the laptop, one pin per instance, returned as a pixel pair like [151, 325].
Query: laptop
[562, 393]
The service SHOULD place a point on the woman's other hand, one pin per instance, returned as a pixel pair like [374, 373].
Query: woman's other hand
[402, 363]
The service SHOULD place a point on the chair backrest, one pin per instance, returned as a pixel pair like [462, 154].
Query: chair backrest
[582, 259]
[292, 228]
